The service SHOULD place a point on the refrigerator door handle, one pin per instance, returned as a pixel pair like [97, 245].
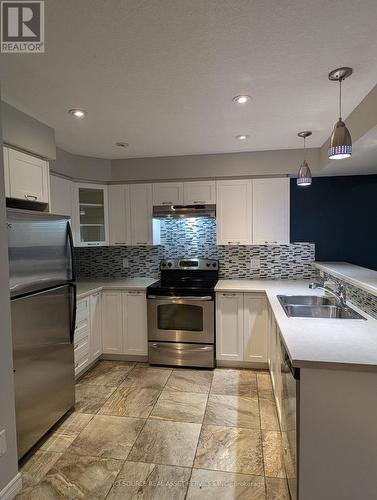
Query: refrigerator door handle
[73, 305]
[70, 238]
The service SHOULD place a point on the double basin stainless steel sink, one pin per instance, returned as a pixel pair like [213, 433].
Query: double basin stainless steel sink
[314, 306]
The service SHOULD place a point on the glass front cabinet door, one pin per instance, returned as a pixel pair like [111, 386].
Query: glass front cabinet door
[91, 221]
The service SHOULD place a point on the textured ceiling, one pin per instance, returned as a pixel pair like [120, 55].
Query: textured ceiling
[161, 74]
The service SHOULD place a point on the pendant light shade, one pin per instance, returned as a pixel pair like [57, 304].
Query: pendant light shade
[340, 141]
[304, 177]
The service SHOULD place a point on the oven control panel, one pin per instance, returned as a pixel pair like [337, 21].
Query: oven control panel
[190, 264]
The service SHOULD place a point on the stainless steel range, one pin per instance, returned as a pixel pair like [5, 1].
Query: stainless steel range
[181, 313]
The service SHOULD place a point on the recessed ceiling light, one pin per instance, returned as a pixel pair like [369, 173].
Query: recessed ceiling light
[242, 137]
[78, 113]
[122, 144]
[241, 99]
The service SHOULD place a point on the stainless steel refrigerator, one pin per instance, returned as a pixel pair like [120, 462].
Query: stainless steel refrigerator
[43, 309]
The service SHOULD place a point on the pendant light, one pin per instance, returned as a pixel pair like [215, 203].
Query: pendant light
[340, 142]
[304, 177]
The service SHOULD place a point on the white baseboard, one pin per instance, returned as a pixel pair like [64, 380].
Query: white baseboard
[12, 488]
[124, 357]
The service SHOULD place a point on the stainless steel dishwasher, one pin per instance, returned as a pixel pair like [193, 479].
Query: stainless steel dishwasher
[290, 420]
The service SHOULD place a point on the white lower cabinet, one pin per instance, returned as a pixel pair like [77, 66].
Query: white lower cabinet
[95, 326]
[112, 324]
[82, 335]
[241, 327]
[255, 327]
[135, 323]
[275, 361]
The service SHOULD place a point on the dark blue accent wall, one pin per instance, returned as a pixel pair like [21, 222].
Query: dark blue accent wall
[338, 214]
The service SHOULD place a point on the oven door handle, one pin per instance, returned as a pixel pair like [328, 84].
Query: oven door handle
[177, 348]
[167, 297]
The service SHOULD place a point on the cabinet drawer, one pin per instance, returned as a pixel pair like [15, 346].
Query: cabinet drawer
[81, 348]
[82, 316]
[81, 364]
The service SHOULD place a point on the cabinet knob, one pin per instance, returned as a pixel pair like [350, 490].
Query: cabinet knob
[31, 197]
[141, 243]
[167, 203]
[200, 201]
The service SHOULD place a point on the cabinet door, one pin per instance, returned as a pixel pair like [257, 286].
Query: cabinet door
[141, 214]
[28, 177]
[168, 193]
[61, 195]
[91, 220]
[255, 328]
[234, 204]
[271, 211]
[119, 215]
[135, 323]
[6, 171]
[112, 328]
[199, 193]
[229, 326]
[95, 326]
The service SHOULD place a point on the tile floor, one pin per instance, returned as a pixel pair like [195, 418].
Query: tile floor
[141, 432]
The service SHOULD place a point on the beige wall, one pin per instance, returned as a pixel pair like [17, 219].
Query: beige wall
[212, 166]
[8, 462]
[83, 168]
[27, 133]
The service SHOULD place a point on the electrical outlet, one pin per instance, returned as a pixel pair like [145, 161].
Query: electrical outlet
[3, 443]
[125, 263]
[255, 263]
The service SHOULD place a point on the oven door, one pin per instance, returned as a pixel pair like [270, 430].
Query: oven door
[174, 319]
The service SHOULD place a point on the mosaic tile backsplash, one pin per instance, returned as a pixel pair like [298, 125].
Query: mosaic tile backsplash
[360, 298]
[197, 237]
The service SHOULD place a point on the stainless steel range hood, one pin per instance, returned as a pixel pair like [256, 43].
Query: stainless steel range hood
[184, 211]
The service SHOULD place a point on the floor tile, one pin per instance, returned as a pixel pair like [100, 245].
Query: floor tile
[180, 406]
[61, 437]
[234, 382]
[131, 401]
[190, 380]
[90, 398]
[168, 443]
[216, 485]
[273, 454]
[36, 466]
[232, 411]
[139, 480]
[230, 449]
[268, 415]
[264, 385]
[277, 489]
[108, 437]
[74, 477]
[107, 373]
[147, 378]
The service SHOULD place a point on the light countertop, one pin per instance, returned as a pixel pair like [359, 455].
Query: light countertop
[87, 287]
[339, 343]
[363, 278]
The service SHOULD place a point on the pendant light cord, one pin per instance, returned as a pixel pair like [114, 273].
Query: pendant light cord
[304, 148]
[340, 99]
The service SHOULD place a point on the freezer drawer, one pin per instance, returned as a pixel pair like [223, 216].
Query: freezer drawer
[42, 328]
[179, 354]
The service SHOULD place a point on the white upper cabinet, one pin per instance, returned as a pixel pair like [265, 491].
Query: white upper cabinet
[229, 326]
[271, 211]
[142, 228]
[61, 196]
[28, 177]
[91, 223]
[199, 193]
[255, 333]
[135, 323]
[119, 215]
[168, 193]
[234, 212]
